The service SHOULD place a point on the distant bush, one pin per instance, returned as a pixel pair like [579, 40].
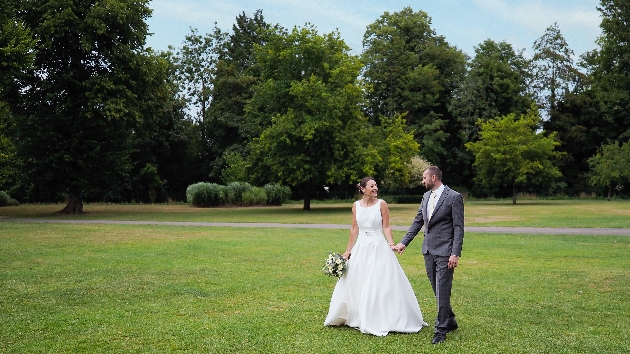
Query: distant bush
[254, 196]
[277, 194]
[205, 194]
[6, 200]
[236, 190]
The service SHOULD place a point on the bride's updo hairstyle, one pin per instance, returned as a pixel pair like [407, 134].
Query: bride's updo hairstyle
[363, 183]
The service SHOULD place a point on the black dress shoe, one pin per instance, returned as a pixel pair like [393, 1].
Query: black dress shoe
[438, 338]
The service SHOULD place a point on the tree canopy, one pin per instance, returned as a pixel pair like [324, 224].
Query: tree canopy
[512, 153]
[87, 112]
[611, 165]
[77, 102]
[412, 71]
[307, 106]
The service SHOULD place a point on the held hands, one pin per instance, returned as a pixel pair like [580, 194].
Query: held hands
[400, 248]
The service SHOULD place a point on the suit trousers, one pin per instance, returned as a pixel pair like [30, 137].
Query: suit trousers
[441, 279]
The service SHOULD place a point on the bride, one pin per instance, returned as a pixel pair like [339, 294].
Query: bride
[374, 295]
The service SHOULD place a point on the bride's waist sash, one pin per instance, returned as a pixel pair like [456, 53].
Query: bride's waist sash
[370, 236]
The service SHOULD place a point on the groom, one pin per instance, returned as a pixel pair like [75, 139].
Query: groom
[442, 215]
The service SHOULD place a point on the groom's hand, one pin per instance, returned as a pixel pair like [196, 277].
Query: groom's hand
[452, 262]
[400, 248]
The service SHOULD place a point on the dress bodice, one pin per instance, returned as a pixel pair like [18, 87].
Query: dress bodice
[369, 218]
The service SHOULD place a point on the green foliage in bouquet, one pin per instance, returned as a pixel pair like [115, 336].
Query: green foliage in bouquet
[335, 265]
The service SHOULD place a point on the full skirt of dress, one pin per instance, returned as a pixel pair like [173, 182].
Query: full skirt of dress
[375, 295]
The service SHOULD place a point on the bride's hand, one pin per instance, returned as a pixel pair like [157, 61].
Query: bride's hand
[346, 255]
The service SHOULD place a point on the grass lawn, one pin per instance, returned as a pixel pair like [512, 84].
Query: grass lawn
[70, 288]
[533, 213]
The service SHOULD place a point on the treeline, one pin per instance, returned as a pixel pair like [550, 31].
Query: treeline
[87, 112]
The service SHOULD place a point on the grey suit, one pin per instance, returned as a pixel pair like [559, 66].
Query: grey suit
[443, 237]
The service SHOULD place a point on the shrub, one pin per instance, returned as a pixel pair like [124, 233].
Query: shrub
[6, 200]
[205, 194]
[236, 190]
[254, 196]
[276, 193]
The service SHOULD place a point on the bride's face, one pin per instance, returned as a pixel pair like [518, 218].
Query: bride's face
[370, 189]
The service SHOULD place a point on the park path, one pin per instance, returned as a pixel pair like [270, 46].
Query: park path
[483, 229]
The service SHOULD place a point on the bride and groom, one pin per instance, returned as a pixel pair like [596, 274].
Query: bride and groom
[375, 295]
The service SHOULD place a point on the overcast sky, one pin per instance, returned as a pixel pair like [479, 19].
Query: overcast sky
[464, 23]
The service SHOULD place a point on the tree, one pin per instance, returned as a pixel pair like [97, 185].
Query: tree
[307, 106]
[416, 167]
[579, 128]
[611, 68]
[232, 86]
[611, 165]
[163, 137]
[554, 73]
[396, 149]
[16, 55]
[411, 70]
[511, 152]
[495, 85]
[195, 64]
[76, 105]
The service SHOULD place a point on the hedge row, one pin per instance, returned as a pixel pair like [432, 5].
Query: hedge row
[205, 194]
[6, 200]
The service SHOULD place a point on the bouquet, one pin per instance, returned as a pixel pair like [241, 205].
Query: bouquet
[335, 265]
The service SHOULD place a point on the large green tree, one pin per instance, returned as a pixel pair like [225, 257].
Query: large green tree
[594, 111]
[511, 152]
[195, 64]
[16, 54]
[610, 166]
[78, 104]
[411, 70]
[307, 108]
[495, 85]
[234, 78]
[163, 136]
[611, 68]
[396, 149]
[553, 70]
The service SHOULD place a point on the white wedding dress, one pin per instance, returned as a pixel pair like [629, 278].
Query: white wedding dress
[374, 295]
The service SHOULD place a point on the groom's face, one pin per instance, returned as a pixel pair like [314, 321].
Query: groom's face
[428, 180]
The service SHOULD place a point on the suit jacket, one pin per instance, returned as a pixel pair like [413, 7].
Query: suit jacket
[444, 233]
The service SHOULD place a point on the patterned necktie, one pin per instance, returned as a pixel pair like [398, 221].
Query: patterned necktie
[432, 203]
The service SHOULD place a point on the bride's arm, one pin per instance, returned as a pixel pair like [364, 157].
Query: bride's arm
[354, 232]
[387, 229]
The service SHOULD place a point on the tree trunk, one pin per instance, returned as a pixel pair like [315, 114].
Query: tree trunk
[514, 194]
[307, 196]
[75, 202]
[609, 191]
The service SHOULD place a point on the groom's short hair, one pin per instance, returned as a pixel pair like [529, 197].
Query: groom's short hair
[435, 171]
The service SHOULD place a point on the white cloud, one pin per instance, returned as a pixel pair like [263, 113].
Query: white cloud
[196, 13]
[537, 15]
